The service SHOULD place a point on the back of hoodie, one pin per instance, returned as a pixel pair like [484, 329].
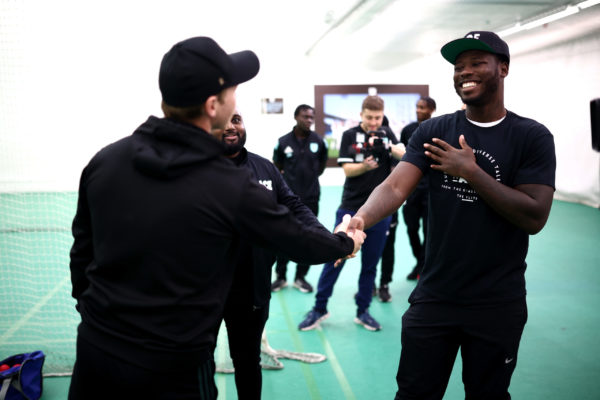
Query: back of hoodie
[158, 219]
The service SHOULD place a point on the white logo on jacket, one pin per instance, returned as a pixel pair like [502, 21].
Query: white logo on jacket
[267, 183]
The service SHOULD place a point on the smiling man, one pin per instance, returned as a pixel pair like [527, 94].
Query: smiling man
[490, 175]
[247, 306]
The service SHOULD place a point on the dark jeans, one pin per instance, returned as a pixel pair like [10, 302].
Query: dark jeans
[245, 324]
[488, 339]
[282, 262]
[388, 256]
[413, 211]
[99, 375]
[370, 254]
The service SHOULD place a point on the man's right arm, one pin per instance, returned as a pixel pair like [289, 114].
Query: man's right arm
[388, 196]
[267, 224]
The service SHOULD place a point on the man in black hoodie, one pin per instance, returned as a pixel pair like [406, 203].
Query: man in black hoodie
[158, 221]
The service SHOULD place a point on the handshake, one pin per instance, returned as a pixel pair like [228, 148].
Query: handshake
[353, 227]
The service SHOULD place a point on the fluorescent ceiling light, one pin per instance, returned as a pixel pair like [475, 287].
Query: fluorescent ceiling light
[570, 10]
[587, 4]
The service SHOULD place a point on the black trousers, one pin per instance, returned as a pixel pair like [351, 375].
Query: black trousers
[282, 262]
[245, 324]
[388, 255]
[414, 211]
[98, 375]
[488, 339]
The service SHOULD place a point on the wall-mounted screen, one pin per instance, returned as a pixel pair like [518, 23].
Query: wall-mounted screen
[337, 108]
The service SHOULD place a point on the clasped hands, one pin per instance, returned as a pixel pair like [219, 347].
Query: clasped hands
[353, 227]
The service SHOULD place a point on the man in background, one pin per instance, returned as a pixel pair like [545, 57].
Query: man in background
[247, 307]
[367, 153]
[301, 156]
[414, 209]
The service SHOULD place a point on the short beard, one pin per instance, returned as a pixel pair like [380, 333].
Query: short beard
[231, 149]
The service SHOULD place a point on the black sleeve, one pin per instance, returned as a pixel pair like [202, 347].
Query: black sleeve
[347, 153]
[267, 224]
[391, 136]
[82, 252]
[278, 155]
[323, 156]
[404, 136]
[286, 197]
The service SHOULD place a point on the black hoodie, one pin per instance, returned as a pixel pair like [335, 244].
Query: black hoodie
[158, 220]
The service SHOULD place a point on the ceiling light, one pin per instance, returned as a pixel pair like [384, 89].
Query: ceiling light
[569, 10]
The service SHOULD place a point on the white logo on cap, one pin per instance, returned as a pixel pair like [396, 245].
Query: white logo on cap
[221, 81]
[473, 36]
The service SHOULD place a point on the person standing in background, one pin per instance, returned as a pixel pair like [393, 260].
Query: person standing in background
[247, 306]
[414, 209]
[301, 156]
[367, 152]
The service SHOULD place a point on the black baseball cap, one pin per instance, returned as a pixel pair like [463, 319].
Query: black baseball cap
[476, 40]
[197, 68]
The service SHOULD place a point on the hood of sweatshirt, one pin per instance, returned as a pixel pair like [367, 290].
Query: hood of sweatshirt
[165, 148]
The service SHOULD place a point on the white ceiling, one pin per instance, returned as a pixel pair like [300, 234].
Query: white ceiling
[386, 33]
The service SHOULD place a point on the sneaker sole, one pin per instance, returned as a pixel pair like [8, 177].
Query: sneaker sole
[303, 290]
[277, 289]
[385, 301]
[368, 327]
[316, 323]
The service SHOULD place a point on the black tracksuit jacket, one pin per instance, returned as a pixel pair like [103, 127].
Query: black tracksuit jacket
[158, 220]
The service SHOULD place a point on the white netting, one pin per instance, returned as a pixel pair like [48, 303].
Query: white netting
[269, 357]
[38, 312]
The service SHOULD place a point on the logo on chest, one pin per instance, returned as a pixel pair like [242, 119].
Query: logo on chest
[288, 151]
[267, 183]
[461, 187]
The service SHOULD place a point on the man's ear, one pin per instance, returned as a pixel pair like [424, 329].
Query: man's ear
[210, 106]
[503, 69]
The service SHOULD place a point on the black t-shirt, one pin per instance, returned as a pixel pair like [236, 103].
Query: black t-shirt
[405, 136]
[473, 255]
[357, 189]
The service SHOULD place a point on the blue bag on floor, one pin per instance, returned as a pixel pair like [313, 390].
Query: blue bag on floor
[21, 376]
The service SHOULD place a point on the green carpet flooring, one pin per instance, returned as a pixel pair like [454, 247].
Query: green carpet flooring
[559, 353]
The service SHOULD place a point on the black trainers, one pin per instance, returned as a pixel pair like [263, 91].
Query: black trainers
[303, 286]
[365, 319]
[278, 285]
[414, 274]
[384, 294]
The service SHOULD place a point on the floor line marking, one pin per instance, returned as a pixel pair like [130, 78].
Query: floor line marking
[33, 310]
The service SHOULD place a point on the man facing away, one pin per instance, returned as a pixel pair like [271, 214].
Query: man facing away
[366, 154]
[301, 156]
[414, 209]
[159, 217]
[247, 307]
[490, 175]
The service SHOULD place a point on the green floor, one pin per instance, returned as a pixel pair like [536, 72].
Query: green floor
[559, 354]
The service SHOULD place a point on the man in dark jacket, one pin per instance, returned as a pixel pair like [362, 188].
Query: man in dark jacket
[301, 156]
[158, 222]
[247, 306]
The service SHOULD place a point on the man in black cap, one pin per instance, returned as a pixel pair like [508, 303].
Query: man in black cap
[490, 175]
[158, 221]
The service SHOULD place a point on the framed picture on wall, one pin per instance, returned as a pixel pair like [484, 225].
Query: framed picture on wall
[337, 108]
